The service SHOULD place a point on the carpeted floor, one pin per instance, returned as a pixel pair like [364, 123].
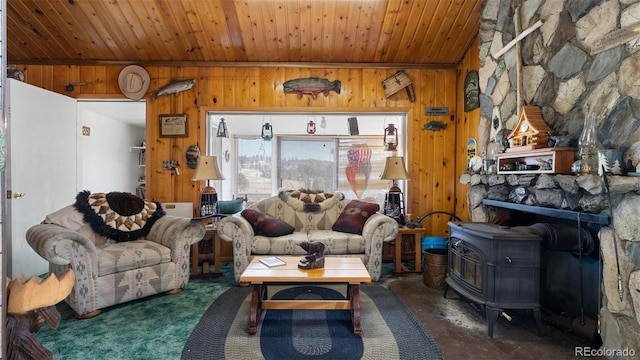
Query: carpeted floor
[154, 328]
[158, 327]
[389, 329]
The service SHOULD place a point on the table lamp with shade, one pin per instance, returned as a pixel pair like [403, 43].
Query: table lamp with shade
[394, 170]
[208, 170]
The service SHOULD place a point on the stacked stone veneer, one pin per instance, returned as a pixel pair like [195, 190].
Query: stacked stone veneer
[563, 78]
[559, 74]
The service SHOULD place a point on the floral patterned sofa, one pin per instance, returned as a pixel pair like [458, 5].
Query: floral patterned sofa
[278, 224]
[120, 247]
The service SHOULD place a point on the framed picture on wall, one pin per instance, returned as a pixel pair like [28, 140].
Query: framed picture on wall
[173, 125]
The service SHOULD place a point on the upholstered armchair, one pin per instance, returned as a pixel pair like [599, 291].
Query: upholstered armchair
[120, 247]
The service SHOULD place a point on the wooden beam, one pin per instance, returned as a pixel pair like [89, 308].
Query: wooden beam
[519, 70]
[235, 64]
[520, 36]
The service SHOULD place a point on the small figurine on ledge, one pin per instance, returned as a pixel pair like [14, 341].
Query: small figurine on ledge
[315, 256]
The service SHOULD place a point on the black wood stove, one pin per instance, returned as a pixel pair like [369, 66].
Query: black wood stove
[496, 267]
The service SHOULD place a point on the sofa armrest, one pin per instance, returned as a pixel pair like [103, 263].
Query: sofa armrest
[61, 246]
[177, 233]
[237, 230]
[380, 227]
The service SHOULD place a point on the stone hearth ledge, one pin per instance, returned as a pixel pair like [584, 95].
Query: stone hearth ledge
[586, 193]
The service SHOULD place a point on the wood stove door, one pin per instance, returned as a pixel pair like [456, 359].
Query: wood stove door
[466, 269]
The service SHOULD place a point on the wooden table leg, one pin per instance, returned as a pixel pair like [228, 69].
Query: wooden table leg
[205, 251]
[194, 259]
[256, 309]
[399, 253]
[216, 253]
[354, 296]
[418, 249]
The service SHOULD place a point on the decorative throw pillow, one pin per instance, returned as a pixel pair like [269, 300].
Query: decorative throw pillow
[354, 215]
[265, 224]
[117, 215]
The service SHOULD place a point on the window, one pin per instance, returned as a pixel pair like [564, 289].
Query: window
[351, 165]
[254, 168]
[329, 160]
[309, 164]
[361, 161]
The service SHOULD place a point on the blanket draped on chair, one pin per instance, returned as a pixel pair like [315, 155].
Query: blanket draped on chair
[119, 216]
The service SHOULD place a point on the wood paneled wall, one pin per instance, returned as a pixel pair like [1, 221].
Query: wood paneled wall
[431, 158]
[467, 128]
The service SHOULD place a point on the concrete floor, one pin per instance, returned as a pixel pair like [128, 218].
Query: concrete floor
[461, 331]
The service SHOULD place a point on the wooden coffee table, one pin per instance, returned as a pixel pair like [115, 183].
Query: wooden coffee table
[347, 270]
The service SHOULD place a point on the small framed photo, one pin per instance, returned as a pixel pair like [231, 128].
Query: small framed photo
[173, 125]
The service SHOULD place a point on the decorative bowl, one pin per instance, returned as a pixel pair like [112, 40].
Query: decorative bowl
[230, 207]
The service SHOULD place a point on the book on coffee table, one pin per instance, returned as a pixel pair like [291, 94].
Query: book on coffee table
[272, 261]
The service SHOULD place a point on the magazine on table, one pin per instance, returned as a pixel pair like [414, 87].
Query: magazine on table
[272, 261]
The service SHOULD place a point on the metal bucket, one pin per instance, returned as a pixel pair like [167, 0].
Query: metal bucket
[435, 267]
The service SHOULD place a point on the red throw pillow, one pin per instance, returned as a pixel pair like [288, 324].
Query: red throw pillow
[354, 215]
[265, 224]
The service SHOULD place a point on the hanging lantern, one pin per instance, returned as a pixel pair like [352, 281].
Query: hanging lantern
[267, 131]
[311, 127]
[222, 129]
[391, 138]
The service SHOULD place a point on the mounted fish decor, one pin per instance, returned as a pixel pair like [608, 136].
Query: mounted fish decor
[435, 126]
[174, 87]
[311, 85]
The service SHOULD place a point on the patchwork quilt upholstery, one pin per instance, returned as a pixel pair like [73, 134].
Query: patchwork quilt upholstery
[109, 272]
[312, 215]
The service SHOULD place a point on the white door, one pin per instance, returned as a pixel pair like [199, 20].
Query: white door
[41, 166]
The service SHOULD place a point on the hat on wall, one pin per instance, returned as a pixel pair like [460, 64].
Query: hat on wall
[134, 82]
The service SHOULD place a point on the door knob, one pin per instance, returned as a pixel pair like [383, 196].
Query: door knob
[18, 195]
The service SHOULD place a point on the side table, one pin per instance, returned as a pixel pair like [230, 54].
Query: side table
[417, 240]
[205, 251]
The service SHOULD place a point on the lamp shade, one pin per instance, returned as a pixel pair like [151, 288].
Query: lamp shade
[207, 169]
[394, 169]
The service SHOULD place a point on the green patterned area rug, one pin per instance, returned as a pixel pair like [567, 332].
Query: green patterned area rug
[155, 327]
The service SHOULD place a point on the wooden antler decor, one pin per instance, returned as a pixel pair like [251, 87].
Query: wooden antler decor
[29, 301]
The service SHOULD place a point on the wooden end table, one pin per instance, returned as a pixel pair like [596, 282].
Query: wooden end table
[417, 239]
[347, 270]
[205, 251]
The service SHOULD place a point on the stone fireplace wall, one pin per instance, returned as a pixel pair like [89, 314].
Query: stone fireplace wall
[563, 78]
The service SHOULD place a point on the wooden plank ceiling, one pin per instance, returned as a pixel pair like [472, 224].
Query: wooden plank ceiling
[189, 32]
